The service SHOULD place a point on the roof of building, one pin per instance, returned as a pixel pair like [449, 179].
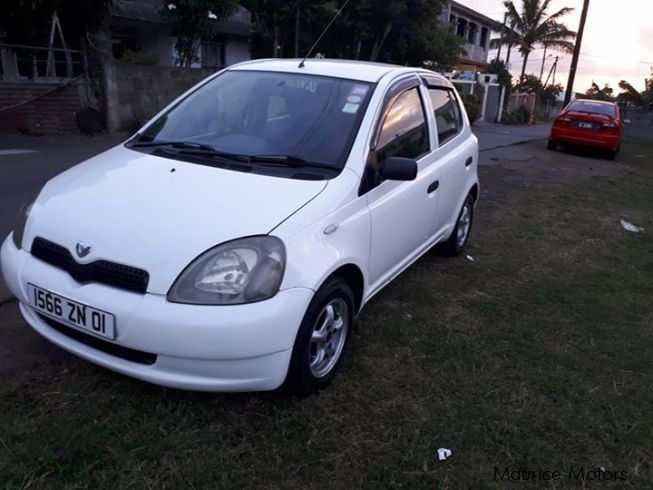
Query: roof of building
[456, 6]
[364, 71]
[239, 23]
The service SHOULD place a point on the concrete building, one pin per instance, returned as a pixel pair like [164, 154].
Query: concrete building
[137, 25]
[476, 29]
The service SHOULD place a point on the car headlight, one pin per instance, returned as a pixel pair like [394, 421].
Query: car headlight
[241, 271]
[21, 221]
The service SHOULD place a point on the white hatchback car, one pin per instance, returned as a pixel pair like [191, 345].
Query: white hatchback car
[230, 243]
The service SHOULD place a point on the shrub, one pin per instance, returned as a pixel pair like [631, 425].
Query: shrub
[139, 58]
[521, 115]
[472, 106]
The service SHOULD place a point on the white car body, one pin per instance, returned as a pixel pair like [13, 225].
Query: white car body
[135, 210]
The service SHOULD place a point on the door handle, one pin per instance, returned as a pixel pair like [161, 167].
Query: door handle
[469, 161]
[433, 187]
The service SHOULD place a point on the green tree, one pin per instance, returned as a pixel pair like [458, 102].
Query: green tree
[191, 21]
[550, 94]
[529, 84]
[629, 94]
[498, 67]
[597, 93]
[532, 26]
[395, 31]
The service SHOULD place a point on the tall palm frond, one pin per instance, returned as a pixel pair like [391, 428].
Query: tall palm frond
[533, 26]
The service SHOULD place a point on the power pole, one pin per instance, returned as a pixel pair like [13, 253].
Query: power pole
[574, 59]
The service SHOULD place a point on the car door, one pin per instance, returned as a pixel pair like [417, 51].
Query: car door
[401, 213]
[454, 153]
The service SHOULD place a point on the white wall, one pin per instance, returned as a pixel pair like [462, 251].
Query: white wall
[236, 50]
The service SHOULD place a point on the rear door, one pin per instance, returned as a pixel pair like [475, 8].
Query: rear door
[455, 154]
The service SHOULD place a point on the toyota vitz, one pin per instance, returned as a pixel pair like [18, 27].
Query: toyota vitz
[230, 243]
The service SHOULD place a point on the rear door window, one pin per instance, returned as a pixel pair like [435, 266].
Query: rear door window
[447, 114]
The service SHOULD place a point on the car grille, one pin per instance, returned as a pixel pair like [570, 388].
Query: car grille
[101, 271]
[126, 353]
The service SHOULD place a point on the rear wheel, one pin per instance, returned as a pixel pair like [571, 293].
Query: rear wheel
[612, 154]
[552, 145]
[460, 235]
[322, 338]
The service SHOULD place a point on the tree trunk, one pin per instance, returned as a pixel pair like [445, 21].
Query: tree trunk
[543, 61]
[359, 45]
[378, 44]
[523, 68]
[297, 11]
[275, 35]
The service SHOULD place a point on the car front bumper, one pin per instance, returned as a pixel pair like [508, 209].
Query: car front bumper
[201, 348]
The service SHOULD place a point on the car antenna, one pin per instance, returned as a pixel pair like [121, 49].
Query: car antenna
[301, 63]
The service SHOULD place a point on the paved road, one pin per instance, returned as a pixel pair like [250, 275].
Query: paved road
[27, 162]
[494, 136]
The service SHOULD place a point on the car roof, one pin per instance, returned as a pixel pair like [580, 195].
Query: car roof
[364, 71]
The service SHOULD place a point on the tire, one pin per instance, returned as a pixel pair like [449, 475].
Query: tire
[552, 145]
[306, 374]
[455, 244]
[612, 154]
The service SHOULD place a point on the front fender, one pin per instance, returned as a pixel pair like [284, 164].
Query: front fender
[332, 231]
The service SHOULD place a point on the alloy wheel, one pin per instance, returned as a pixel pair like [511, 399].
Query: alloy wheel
[328, 337]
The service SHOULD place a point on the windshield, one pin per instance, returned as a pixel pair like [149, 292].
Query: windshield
[254, 113]
[593, 108]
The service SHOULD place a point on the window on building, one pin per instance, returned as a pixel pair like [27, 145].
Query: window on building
[447, 114]
[471, 33]
[123, 39]
[213, 54]
[462, 28]
[484, 37]
[404, 132]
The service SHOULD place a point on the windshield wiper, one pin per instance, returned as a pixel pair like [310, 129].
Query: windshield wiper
[289, 161]
[174, 144]
[193, 149]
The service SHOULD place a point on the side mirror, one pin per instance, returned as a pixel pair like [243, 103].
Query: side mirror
[399, 168]
[627, 122]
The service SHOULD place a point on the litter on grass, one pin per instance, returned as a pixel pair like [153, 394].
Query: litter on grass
[626, 225]
[443, 453]
[470, 258]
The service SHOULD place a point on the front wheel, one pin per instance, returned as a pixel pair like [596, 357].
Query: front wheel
[322, 338]
[460, 235]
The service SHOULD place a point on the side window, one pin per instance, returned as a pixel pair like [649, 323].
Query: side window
[447, 113]
[404, 132]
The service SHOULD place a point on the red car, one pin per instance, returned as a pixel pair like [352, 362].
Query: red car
[589, 123]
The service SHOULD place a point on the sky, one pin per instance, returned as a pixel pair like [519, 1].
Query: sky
[617, 44]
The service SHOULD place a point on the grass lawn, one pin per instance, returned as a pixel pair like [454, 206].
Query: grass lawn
[537, 355]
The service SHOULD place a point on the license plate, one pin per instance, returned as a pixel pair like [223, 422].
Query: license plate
[586, 125]
[72, 313]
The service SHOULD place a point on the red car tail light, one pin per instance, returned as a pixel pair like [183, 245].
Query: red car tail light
[564, 119]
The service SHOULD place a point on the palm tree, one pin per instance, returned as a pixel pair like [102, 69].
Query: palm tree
[533, 26]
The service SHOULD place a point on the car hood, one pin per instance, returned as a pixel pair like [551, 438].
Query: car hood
[159, 214]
